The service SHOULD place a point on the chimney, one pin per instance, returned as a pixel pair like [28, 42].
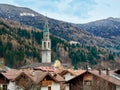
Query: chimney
[107, 72]
[99, 71]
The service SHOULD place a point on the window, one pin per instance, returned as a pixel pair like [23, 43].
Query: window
[4, 87]
[46, 35]
[48, 45]
[87, 82]
[45, 44]
[49, 88]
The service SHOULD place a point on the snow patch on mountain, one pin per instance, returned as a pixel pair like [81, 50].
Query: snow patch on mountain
[27, 14]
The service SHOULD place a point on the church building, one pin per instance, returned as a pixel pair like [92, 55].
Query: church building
[46, 45]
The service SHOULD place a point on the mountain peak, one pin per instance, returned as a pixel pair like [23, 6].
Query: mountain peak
[110, 18]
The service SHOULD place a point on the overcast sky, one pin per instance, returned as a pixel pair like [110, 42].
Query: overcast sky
[75, 11]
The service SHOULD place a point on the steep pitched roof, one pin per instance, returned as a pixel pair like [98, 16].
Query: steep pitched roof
[59, 71]
[73, 72]
[3, 77]
[12, 74]
[57, 77]
[106, 77]
[102, 75]
[37, 75]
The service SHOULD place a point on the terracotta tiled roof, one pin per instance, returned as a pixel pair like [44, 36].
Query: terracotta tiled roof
[12, 74]
[57, 77]
[38, 76]
[73, 72]
[59, 71]
[45, 68]
[35, 75]
[106, 77]
[76, 72]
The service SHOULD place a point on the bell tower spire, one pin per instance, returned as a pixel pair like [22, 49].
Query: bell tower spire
[46, 30]
[46, 44]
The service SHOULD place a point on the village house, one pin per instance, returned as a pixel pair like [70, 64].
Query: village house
[3, 82]
[45, 80]
[69, 74]
[29, 79]
[95, 80]
[8, 77]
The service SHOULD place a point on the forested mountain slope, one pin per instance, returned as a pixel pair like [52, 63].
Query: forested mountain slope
[20, 45]
[62, 29]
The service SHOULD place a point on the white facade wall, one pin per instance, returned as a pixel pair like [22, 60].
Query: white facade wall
[67, 87]
[44, 88]
[117, 87]
[13, 86]
[68, 76]
[46, 51]
[46, 56]
[54, 86]
[46, 44]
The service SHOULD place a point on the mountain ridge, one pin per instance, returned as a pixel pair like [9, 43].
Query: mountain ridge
[109, 29]
[62, 29]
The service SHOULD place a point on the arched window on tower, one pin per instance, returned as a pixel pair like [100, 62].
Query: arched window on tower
[48, 44]
[44, 44]
[47, 36]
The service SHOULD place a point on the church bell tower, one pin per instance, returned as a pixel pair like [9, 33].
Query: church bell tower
[46, 45]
